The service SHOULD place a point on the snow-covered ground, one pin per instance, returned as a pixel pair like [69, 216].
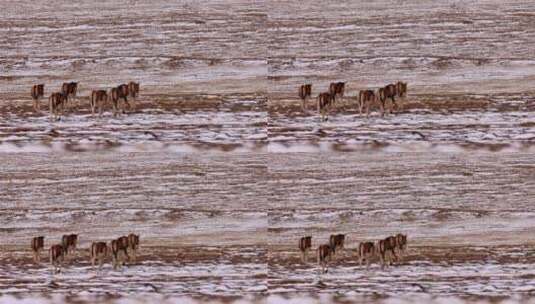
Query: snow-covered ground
[147, 130]
[417, 128]
[271, 299]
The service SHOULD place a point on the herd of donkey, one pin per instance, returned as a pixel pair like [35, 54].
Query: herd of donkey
[389, 250]
[122, 249]
[365, 100]
[58, 101]
[325, 100]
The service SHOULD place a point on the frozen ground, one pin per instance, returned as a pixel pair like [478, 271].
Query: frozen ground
[438, 47]
[234, 123]
[149, 192]
[413, 131]
[272, 299]
[184, 47]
